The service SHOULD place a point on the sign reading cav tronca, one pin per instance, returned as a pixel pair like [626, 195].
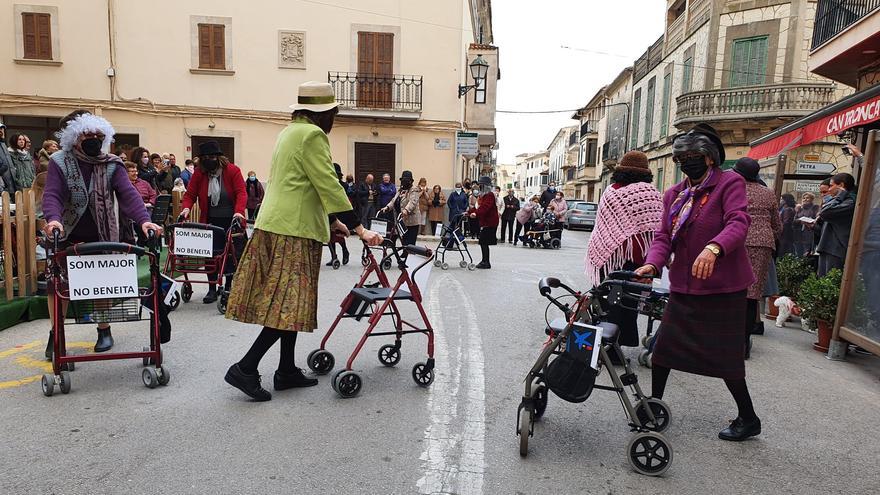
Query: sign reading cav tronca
[102, 276]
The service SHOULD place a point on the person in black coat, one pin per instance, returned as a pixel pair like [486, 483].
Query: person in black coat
[836, 217]
[366, 197]
[548, 194]
[508, 216]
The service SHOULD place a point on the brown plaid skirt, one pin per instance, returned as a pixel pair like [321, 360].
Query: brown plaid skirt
[704, 335]
[276, 284]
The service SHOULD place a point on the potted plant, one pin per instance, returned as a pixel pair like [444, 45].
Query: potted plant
[818, 302]
[791, 272]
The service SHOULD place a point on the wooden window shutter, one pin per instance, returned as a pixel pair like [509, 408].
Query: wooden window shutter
[212, 46]
[204, 46]
[37, 35]
[219, 46]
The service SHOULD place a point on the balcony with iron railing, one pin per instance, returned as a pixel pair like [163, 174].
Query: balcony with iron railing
[377, 95]
[769, 101]
[836, 16]
[589, 127]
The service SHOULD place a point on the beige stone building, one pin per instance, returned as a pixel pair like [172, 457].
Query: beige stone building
[171, 74]
[563, 152]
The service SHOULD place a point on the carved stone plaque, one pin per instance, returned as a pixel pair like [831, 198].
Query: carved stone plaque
[292, 49]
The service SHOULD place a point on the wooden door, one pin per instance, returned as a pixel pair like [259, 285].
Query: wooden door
[374, 158]
[227, 145]
[375, 69]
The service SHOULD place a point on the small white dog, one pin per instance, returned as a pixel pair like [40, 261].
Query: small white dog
[785, 306]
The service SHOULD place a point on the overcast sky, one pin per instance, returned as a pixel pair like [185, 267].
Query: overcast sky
[537, 74]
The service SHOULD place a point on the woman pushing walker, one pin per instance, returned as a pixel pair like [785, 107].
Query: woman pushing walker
[276, 285]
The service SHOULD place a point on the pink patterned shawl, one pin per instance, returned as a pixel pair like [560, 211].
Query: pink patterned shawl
[630, 212]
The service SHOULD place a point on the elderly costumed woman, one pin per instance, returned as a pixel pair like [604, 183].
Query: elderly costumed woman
[702, 241]
[629, 213]
[276, 284]
[83, 184]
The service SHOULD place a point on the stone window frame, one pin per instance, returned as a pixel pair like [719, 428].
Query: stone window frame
[194, 21]
[769, 28]
[52, 10]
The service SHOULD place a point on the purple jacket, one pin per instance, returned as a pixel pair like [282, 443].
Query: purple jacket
[722, 219]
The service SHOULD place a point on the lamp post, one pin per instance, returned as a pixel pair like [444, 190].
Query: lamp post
[479, 68]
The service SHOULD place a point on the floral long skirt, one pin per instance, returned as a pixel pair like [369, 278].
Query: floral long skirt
[276, 284]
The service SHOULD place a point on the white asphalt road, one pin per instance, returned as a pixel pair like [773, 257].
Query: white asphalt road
[198, 435]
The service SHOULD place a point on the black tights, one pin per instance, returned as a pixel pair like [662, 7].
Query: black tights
[332, 246]
[738, 389]
[751, 315]
[485, 250]
[261, 345]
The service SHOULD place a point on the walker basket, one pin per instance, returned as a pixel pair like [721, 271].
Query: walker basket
[570, 378]
[118, 310]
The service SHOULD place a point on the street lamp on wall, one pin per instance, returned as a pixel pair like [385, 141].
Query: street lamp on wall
[479, 69]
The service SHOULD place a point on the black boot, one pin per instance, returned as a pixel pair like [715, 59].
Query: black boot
[345, 258]
[758, 329]
[297, 379]
[105, 340]
[483, 265]
[211, 296]
[249, 384]
[741, 429]
[50, 348]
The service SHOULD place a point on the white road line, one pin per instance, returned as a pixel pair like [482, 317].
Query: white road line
[453, 460]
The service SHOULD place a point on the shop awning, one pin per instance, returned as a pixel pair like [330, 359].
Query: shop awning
[855, 110]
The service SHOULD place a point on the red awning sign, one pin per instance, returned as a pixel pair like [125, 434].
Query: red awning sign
[863, 113]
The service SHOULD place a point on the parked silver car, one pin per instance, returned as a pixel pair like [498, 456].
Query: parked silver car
[580, 215]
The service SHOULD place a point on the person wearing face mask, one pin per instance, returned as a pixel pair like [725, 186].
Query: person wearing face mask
[219, 189]
[85, 186]
[486, 215]
[164, 179]
[457, 202]
[548, 195]
[803, 230]
[407, 204]
[276, 285]
[387, 190]
[255, 194]
[508, 216]
[435, 210]
[525, 217]
[23, 171]
[473, 199]
[146, 171]
[187, 172]
[835, 221]
[559, 206]
[701, 240]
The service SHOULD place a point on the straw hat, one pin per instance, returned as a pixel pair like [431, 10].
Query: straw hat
[316, 97]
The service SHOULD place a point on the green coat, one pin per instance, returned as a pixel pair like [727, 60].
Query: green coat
[303, 188]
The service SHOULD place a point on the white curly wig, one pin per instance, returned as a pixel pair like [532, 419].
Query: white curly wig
[68, 136]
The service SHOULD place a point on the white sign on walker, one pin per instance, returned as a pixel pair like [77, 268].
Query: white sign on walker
[175, 289]
[438, 231]
[421, 277]
[102, 276]
[194, 242]
[380, 227]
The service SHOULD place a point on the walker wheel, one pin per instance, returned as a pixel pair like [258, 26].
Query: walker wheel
[437, 263]
[150, 377]
[648, 357]
[444, 266]
[645, 341]
[387, 264]
[175, 301]
[64, 382]
[147, 361]
[649, 454]
[540, 397]
[462, 264]
[222, 301]
[661, 415]
[524, 428]
[555, 244]
[389, 355]
[164, 376]
[423, 376]
[471, 267]
[48, 384]
[336, 264]
[321, 362]
[187, 292]
[348, 384]
[643, 358]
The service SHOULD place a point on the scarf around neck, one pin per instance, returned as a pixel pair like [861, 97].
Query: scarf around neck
[98, 197]
[625, 216]
[683, 205]
[214, 186]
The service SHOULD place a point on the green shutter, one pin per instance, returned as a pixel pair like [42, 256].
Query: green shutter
[637, 103]
[749, 63]
[660, 179]
[664, 109]
[728, 164]
[649, 110]
[687, 75]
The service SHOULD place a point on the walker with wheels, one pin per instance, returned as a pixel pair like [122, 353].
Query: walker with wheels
[104, 310]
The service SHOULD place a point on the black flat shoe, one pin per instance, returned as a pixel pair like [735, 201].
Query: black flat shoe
[483, 266]
[758, 329]
[210, 297]
[297, 379]
[50, 349]
[105, 340]
[740, 430]
[249, 384]
[345, 258]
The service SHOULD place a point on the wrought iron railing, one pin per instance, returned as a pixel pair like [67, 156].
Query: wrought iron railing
[392, 92]
[835, 16]
[771, 100]
[589, 127]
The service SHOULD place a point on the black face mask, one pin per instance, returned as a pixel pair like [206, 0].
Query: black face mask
[209, 164]
[405, 184]
[92, 146]
[694, 167]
